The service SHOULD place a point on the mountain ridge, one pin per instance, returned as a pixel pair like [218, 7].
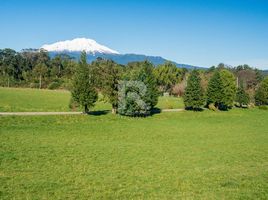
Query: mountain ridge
[94, 50]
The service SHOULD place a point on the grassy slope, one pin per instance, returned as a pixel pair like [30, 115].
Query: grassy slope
[16, 99]
[208, 155]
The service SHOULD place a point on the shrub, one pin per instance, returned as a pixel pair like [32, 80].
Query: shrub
[262, 107]
[54, 85]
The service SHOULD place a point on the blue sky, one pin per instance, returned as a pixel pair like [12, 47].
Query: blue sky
[197, 32]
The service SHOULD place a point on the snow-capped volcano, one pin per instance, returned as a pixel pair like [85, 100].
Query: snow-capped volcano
[78, 45]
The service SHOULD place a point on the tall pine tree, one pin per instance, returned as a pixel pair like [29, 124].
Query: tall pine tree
[221, 90]
[84, 91]
[215, 90]
[229, 88]
[194, 96]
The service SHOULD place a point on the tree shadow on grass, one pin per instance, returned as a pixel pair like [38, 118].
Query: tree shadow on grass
[98, 112]
[155, 111]
[194, 109]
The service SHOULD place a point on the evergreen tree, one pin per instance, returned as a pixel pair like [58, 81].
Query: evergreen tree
[138, 93]
[221, 89]
[229, 88]
[194, 96]
[261, 96]
[242, 98]
[83, 90]
[215, 90]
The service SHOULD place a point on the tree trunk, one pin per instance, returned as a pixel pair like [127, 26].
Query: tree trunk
[86, 110]
[8, 82]
[40, 82]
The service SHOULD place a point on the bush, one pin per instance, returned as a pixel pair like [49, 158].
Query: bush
[54, 85]
[34, 85]
[263, 107]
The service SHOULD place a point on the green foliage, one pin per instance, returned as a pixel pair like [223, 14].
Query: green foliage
[131, 98]
[221, 89]
[83, 90]
[107, 77]
[242, 98]
[167, 76]
[54, 85]
[263, 107]
[229, 88]
[215, 90]
[261, 96]
[143, 79]
[194, 95]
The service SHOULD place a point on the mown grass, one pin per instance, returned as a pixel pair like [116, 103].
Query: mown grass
[186, 155]
[23, 100]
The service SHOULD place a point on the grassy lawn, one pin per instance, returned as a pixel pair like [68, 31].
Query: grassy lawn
[186, 155]
[17, 99]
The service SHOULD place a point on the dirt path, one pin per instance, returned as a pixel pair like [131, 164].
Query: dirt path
[62, 113]
[172, 110]
[38, 113]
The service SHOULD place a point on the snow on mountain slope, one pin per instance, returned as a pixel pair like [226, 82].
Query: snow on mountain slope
[78, 45]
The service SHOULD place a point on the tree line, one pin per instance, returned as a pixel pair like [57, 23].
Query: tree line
[217, 88]
[225, 90]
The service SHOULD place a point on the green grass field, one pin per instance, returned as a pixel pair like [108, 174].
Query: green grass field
[18, 100]
[183, 155]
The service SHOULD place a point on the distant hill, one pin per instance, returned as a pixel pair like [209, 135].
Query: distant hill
[265, 72]
[94, 50]
[124, 58]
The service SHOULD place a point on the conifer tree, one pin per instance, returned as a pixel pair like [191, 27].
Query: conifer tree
[221, 90]
[261, 96]
[194, 96]
[229, 88]
[215, 90]
[84, 91]
[242, 98]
